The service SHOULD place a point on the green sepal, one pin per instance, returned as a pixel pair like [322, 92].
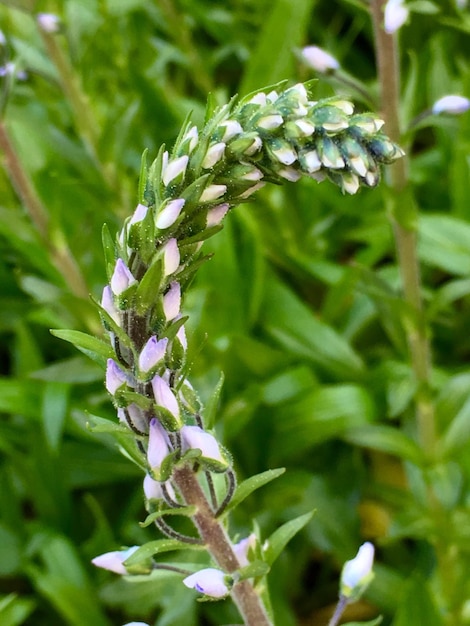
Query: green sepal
[256, 569]
[281, 537]
[185, 511]
[125, 300]
[159, 546]
[354, 593]
[212, 405]
[251, 484]
[126, 397]
[163, 473]
[109, 249]
[193, 192]
[98, 424]
[94, 348]
[148, 292]
[168, 420]
[143, 177]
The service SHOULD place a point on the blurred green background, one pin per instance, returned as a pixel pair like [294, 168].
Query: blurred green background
[299, 308]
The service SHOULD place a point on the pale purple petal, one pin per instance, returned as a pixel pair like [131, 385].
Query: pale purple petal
[164, 396]
[107, 302]
[217, 214]
[113, 561]
[48, 22]
[232, 129]
[213, 155]
[242, 548]
[174, 168]
[139, 214]
[395, 15]
[451, 104]
[122, 278]
[359, 568]
[212, 192]
[152, 353]
[194, 437]
[169, 213]
[158, 445]
[115, 377]
[209, 581]
[171, 257]
[319, 60]
[172, 302]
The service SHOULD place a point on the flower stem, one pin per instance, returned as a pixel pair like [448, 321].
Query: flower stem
[218, 544]
[342, 603]
[403, 215]
[61, 255]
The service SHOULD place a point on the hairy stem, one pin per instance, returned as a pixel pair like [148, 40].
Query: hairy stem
[61, 255]
[403, 215]
[218, 544]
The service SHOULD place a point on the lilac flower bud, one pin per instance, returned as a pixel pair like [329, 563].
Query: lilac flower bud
[232, 129]
[209, 581]
[270, 122]
[253, 174]
[255, 147]
[242, 548]
[272, 96]
[357, 573]
[115, 377]
[305, 127]
[214, 154]
[194, 437]
[113, 561]
[171, 257]
[174, 168]
[395, 15]
[172, 302]
[107, 302]
[135, 415]
[139, 214]
[311, 161]
[158, 445]
[165, 397]
[122, 278]
[169, 213]
[152, 353]
[181, 334]
[350, 183]
[319, 60]
[48, 22]
[193, 137]
[136, 624]
[152, 488]
[451, 104]
[217, 214]
[212, 192]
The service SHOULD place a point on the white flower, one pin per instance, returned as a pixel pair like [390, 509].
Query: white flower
[259, 98]
[136, 624]
[169, 213]
[232, 129]
[451, 104]
[48, 22]
[174, 168]
[113, 561]
[171, 257]
[285, 155]
[312, 161]
[209, 581]
[213, 155]
[395, 15]
[139, 214]
[172, 302]
[217, 214]
[319, 60]
[357, 572]
[212, 192]
[290, 174]
[269, 122]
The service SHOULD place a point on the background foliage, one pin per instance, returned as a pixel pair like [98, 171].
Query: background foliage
[300, 309]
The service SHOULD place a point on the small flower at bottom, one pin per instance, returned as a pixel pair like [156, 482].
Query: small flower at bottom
[319, 60]
[113, 561]
[210, 581]
[454, 105]
[357, 573]
[136, 624]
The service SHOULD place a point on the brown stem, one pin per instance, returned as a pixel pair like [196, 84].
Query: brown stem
[218, 544]
[403, 214]
[60, 253]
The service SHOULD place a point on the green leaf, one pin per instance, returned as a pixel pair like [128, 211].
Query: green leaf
[109, 251]
[98, 424]
[417, 606]
[251, 484]
[159, 546]
[458, 432]
[15, 610]
[55, 403]
[281, 537]
[283, 30]
[443, 243]
[212, 406]
[94, 348]
[386, 439]
[255, 569]
[302, 334]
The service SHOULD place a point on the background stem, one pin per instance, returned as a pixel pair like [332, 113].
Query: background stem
[403, 215]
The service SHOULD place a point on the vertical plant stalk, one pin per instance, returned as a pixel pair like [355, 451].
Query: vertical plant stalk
[61, 255]
[403, 215]
[218, 544]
